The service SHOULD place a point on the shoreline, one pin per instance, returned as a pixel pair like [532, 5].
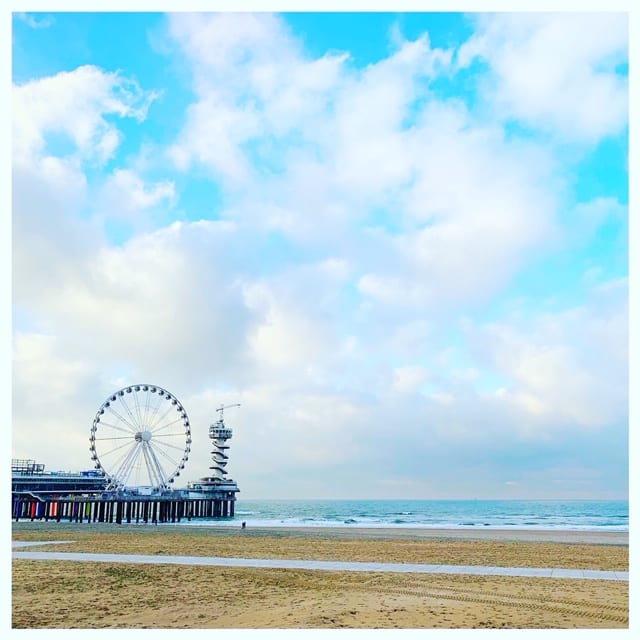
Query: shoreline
[574, 536]
[569, 536]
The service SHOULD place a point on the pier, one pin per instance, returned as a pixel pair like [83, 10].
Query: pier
[121, 509]
[131, 481]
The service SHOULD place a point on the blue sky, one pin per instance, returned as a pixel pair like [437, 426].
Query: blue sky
[398, 240]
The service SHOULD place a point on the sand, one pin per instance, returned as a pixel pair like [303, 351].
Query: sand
[98, 596]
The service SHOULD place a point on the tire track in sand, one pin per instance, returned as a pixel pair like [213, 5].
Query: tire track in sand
[575, 608]
[412, 585]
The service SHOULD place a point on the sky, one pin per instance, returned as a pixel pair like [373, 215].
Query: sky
[398, 240]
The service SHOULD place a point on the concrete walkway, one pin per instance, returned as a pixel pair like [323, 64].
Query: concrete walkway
[318, 565]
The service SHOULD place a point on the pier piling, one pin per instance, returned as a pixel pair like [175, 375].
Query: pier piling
[119, 509]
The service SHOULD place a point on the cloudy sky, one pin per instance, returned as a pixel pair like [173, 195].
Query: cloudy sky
[399, 241]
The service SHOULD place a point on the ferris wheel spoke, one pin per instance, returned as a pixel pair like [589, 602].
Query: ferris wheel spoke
[114, 438]
[154, 413]
[148, 465]
[164, 426]
[167, 456]
[116, 427]
[127, 408]
[143, 410]
[155, 464]
[163, 448]
[126, 467]
[164, 415]
[116, 465]
[122, 446]
[147, 400]
[137, 407]
[131, 424]
[168, 444]
[129, 448]
[123, 420]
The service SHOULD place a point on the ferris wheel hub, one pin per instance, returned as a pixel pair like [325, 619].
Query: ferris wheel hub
[143, 436]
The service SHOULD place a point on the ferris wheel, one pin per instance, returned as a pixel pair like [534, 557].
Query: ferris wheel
[140, 437]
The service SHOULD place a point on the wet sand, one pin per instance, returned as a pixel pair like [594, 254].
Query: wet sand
[93, 595]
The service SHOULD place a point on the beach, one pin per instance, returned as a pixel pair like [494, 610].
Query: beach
[97, 595]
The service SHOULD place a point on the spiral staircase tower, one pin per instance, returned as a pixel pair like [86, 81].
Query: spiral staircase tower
[217, 485]
[219, 433]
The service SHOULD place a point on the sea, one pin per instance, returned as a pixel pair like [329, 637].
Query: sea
[586, 515]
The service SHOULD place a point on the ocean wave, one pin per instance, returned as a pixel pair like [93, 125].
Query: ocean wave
[268, 523]
[423, 514]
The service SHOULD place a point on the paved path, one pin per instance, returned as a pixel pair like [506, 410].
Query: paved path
[319, 565]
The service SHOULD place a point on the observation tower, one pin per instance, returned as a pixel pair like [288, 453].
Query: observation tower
[218, 482]
[219, 433]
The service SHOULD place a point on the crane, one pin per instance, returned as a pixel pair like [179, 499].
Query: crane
[222, 407]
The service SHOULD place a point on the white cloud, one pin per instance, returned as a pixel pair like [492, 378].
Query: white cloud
[287, 337]
[213, 137]
[454, 193]
[555, 71]
[127, 197]
[134, 194]
[49, 235]
[252, 84]
[356, 153]
[566, 370]
[74, 104]
[50, 405]
[586, 218]
[296, 315]
[158, 296]
[409, 379]
[476, 209]
[37, 362]
[261, 100]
